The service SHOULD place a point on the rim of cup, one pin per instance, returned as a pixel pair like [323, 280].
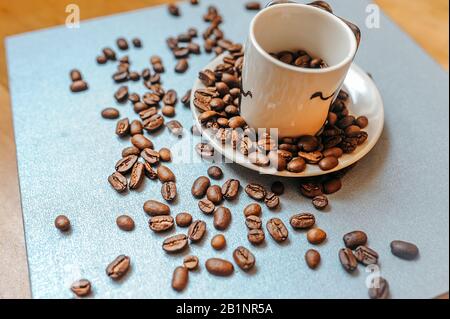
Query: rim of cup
[265, 54]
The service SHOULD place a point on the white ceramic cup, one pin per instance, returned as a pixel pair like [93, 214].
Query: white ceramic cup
[279, 96]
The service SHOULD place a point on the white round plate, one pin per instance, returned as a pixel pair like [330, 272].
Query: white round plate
[365, 100]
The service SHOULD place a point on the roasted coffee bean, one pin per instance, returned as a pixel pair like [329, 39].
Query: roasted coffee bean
[81, 288]
[219, 267]
[312, 258]
[215, 172]
[120, 77]
[253, 210]
[62, 223]
[332, 186]
[253, 222]
[118, 267]
[277, 229]
[334, 151]
[78, 86]
[75, 75]
[311, 190]
[256, 191]
[362, 122]
[190, 262]
[302, 221]
[352, 131]
[328, 163]
[141, 142]
[109, 54]
[122, 44]
[244, 258]
[271, 200]
[311, 157]
[347, 259]
[125, 165]
[137, 43]
[134, 76]
[404, 250]
[136, 128]
[205, 150]
[346, 122]
[253, 5]
[118, 182]
[183, 219]
[125, 223]
[184, 37]
[197, 230]
[354, 239]
[297, 165]
[206, 206]
[150, 156]
[308, 143]
[101, 59]
[169, 191]
[175, 128]
[150, 172]
[256, 236]
[154, 123]
[218, 242]
[222, 218]
[214, 194]
[366, 256]
[175, 244]
[277, 188]
[194, 48]
[123, 127]
[379, 289]
[207, 77]
[182, 66]
[180, 278]
[154, 208]
[200, 186]
[141, 107]
[186, 99]
[230, 189]
[170, 98]
[316, 236]
[151, 99]
[174, 10]
[137, 175]
[165, 155]
[181, 53]
[320, 202]
[161, 223]
[168, 111]
[165, 174]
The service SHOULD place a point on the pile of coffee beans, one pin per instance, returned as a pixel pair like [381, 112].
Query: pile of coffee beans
[299, 59]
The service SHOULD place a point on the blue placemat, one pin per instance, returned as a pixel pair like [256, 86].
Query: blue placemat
[66, 151]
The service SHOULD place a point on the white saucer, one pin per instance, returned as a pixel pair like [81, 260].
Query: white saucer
[365, 100]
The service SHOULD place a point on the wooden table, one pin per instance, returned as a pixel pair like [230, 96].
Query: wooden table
[426, 21]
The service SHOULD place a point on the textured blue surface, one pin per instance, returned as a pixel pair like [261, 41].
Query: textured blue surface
[66, 151]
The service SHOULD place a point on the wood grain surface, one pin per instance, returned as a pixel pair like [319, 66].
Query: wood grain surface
[425, 20]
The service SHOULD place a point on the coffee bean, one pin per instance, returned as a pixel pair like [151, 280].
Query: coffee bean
[150, 156]
[169, 191]
[118, 267]
[206, 206]
[137, 43]
[404, 250]
[222, 218]
[271, 200]
[132, 150]
[175, 244]
[308, 143]
[109, 54]
[205, 150]
[154, 59]
[207, 77]
[379, 289]
[121, 94]
[182, 66]
[123, 127]
[175, 128]
[200, 186]
[141, 107]
[180, 278]
[186, 99]
[62, 223]
[141, 142]
[101, 59]
[161, 223]
[75, 75]
[137, 175]
[126, 164]
[154, 208]
[252, 210]
[150, 172]
[354, 239]
[244, 258]
[190, 262]
[230, 189]
[312, 258]
[215, 172]
[214, 194]
[174, 10]
[183, 219]
[255, 191]
[253, 222]
[346, 121]
[118, 182]
[347, 259]
[81, 288]
[311, 157]
[165, 174]
[316, 236]
[366, 256]
[219, 267]
[253, 5]
[197, 230]
[362, 122]
[78, 86]
[332, 186]
[151, 99]
[277, 188]
[334, 151]
[277, 229]
[328, 163]
[311, 190]
[302, 221]
[297, 165]
[125, 223]
[320, 202]
[122, 44]
[218, 242]
[154, 123]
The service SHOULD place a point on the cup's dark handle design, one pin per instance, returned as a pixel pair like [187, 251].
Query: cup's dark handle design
[320, 95]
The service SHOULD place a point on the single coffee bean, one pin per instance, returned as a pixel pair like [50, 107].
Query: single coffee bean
[320, 202]
[362, 122]
[154, 123]
[253, 222]
[141, 107]
[190, 262]
[312, 258]
[183, 219]
[334, 151]
[206, 206]
[230, 189]
[137, 175]
[123, 127]
[118, 267]
[150, 156]
[150, 172]
[174, 10]
[354, 239]
[81, 288]
[302, 221]
[186, 99]
[176, 243]
[352, 131]
[141, 142]
[165, 155]
[109, 54]
[118, 182]
[180, 278]
[218, 242]
[379, 289]
[222, 218]
[252, 210]
[101, 59]
[126, 164]
[132, 150]
[332, 186]
[169, 191]
[137, 43]
[271, 200]
[244, 258]
[366, 256]
[219, 267]
[136, 128]
[347, 259]
[308, 143]
[175, 127]
[256, 191]
[311, 190]
[328, 163]
[165, 174]
[182, 66]
[197, 230]
[205, 150]
[125, 223]
[277, 229]
[200, 186]
[75, 75]
[316, 236]
[311, 157]
[404, 250]
[121, 94]
[253, 5]
[170, 98]
[277, 188]
[78, 86]
[214, 194]
[122, 44]
[297, 165]
[154, 208]
[161, 223]
[181, 53]
[215, 172]
[62, 223]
